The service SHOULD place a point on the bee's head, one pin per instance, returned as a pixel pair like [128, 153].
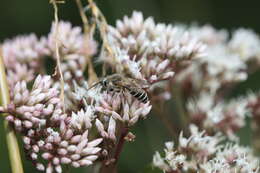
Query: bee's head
[104, 83]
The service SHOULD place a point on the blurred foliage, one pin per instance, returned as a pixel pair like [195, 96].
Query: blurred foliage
[21, 17]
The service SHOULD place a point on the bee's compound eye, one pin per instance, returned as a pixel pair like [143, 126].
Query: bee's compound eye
[104, 83]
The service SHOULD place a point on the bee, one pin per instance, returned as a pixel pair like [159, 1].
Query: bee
[119, 83]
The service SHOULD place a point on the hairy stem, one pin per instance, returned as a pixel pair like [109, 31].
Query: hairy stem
[12, 144]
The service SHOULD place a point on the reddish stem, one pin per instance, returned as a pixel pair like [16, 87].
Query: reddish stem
[120, 144]
[112, 167]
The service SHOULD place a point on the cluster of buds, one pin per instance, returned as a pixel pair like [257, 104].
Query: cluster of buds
[214, 71]
[32, 108]
[227, 61]
[121, 108]
[48, 133]
[245, 43]
[71, 39]
[75, 50]
[22, 57]
[203, 153]
[200, 59]
[65, 146]
[109, 109]
[218, 115]
[150, 51]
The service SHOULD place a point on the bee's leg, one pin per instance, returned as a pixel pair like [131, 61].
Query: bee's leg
[117, 90]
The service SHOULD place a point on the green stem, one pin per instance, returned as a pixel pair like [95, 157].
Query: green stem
[14, 153]
[163, 115]
[184, 119]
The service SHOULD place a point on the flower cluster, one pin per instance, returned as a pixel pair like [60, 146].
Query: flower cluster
[210, 73]
[93, 121]
[110, 109]
[76, 50]
[150, 51]
[124, 109]
[218, 115]
[203, 153]
[226, 62]
[32, 108]
[63, 146]
[245, 43]
[22, 57]
[47, 132]
[71, 39]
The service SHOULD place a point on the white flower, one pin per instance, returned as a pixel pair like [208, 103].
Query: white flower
[82, 119]
[245, 43]
[203, 153]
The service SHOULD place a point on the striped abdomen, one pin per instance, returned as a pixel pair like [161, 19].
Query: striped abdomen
[140, 94]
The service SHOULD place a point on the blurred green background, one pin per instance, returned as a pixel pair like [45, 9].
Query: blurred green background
[21, 17]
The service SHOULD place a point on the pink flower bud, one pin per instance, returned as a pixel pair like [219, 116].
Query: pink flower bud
[95, 142]
[75, 164]
[91, 157]
[72, 148]
[85, 162]
[26, 140]
[64, 144]
[46, 156]
[65, 160]
[56, 161]
[75, 156]
[68, 134]
[58, 169]
[75, 139]
[81, 145]
[34, 156]
[40, 167]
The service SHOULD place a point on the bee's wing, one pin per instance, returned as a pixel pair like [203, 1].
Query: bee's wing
[94, 85]
[141, 83]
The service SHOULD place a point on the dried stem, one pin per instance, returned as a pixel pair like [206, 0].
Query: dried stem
[102, 25]
[57, 52]
[88, 34]
[12, 145]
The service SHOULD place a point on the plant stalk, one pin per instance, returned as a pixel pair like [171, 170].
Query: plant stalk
[12, 144]
[112, 167]
[184, 119]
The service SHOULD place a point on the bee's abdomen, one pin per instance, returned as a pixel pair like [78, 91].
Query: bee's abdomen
[141, 95]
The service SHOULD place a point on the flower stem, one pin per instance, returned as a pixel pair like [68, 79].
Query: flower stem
[120, 144]
[163, 116]
[12, 144]
[112, 167]
[184, 119]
